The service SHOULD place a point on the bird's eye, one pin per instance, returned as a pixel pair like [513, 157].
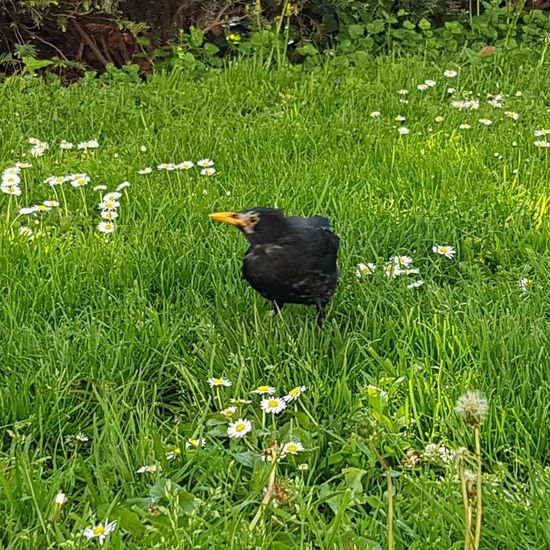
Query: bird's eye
[254, 219]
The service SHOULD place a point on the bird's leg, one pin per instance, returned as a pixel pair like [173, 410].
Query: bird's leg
[320, 312]
[277, 308]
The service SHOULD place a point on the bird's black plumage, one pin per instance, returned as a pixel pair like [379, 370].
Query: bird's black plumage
[290, 260]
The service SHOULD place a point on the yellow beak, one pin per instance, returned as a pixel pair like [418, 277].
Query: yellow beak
[231, 218]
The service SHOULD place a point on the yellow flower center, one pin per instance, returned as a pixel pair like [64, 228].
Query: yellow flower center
[292, 448]
[263, 388]
[294, 392]
[240, 427]
[273, 402]
[444, 249]
[98, 530]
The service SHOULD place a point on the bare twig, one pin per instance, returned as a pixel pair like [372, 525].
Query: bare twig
[90, 43]
[268, 495]
[389, 481]
[218, 20]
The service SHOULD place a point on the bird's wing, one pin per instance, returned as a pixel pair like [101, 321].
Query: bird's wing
[315, 221]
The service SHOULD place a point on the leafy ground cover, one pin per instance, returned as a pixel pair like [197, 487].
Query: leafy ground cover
[110, 334]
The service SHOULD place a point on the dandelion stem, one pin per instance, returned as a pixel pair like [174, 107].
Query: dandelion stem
[268, 494]
[467, 509]
[479, 495]
[389, 481]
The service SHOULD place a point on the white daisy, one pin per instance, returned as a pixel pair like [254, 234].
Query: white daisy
[55, 180]
[109, 214]
[10, 178]
[213, 382]
[109, 205]
[65, 145]
[543, 132]
[174, 453]
[542, 144]
[186, 165]
[375, 114]
[112, 196]
[485, 121]
[430, 83]
[123, 185]
[208, 171]
[464, 126]
[365, 269]
[439, 119]
[22, 165]
[11, 190]
[51, 204]
[85, 145]
[106, 227]
[80, 182]
[147, 170]
[27, 210]
[149, 469]
[416, 284]
[422, 87]
[25, 231]
[100, 531]
[194, 442]
[166, 166]
[400, 118]
[100, 188]
[403, 131]
[525, 284]
[143, 149]
[451, 91]
[402, 261]
[449, 73]
[294, 393]
[292, 448]
[239, 428]
[444, 250]
[241, 402]
[273, 405]
[264, 390]
[403, 92]
[392, 270]
[229, 412]
[205, 163]
[512, 115]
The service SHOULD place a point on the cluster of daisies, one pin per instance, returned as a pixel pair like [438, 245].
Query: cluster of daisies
[468, 103]
[39, 147]
[238, 426]
[397, 266]
[542, 143]
[11, 179]
[108, 206]
[206, 166]
[269, 404]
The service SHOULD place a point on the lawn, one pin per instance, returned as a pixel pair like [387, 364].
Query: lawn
[108, 339]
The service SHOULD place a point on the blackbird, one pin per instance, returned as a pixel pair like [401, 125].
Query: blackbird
[290, 260]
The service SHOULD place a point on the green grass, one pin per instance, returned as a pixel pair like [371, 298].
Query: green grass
[117, 339]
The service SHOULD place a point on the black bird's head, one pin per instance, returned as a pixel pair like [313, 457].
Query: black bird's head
[260, 225]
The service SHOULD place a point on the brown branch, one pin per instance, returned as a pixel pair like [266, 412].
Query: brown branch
[105, 48]
[91, 44]
[40, 39]
[218, 20]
